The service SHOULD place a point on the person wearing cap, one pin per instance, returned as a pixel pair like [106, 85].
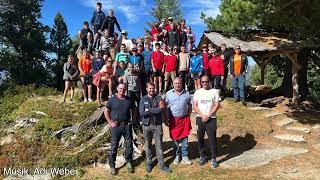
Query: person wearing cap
[168, 27]
[125, 40]
[216, 69]
[196, 67]
[163, 23]
[109, 22]
[238, 69]
[182, 35]
[226, 55]
[156, 41]
[205, 57]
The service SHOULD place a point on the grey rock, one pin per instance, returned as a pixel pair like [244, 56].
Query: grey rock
[258, 108]
[272, 114]
[302, 129]
[259, 157]
[285, 122]
[290, 137]
[29, 177]
[7, 140]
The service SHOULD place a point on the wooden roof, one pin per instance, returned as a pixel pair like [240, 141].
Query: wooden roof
[257, 43]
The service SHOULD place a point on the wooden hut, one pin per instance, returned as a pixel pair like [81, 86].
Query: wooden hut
[262, 46]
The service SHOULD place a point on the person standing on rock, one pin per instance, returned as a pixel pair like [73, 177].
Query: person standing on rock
[206, 103]
[179, 110]
[119, 112]
[151, 108]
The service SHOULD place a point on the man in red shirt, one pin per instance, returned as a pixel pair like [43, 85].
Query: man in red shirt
[170, 62]
[205, 58]
[157, 62]
[216, 69]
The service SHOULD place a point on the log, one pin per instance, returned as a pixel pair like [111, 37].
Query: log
[91, 120]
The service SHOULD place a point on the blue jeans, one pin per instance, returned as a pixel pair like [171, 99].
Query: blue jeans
[239, 85]
[184, 147]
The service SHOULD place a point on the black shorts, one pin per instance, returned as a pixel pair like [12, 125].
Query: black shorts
[196, 76]
[157, 73]
[96, 28]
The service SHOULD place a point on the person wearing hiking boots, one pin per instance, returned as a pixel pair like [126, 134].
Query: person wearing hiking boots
[109, 22]
[206, 103]
[120, 111]
[179, 110]
[151, 108]
[238, 69]
[96, 22]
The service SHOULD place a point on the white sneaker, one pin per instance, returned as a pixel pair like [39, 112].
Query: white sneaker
[186, 160]
[176, 160]
[85, 100]
[90, 100]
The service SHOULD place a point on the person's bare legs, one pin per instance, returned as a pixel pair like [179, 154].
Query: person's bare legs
[160, 83]
[195, 85]
[84, 90]
[110, 87]
[89, 91]
[166, 81]
[72, 90]
[156, 83]
[66, 88]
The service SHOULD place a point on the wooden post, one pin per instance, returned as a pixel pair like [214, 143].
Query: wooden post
[262, 71]
[295, 70]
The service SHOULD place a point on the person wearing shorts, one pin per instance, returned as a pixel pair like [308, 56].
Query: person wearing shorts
[70, 74]
[170, 62]
[85, 69]
[196, 68]
[157, 63]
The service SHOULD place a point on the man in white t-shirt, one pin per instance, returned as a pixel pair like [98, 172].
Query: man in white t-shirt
[206, 103]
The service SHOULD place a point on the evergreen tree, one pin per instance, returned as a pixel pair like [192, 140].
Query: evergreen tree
[60, 44]
[23, 42]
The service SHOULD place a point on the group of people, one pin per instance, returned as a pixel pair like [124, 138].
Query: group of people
[175, 111]
[138, 71]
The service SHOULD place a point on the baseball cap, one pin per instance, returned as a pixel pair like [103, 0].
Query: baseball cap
[124, 32]
[134, 49]
[170, 18]
[194, 49]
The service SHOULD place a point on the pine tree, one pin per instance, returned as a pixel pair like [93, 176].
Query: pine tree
[60, 44]
[23, 44]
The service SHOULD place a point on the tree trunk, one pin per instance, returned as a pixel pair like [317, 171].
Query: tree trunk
[262, 72]
[303, 79]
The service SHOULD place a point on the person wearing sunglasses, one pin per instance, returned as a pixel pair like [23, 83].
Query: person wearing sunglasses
[238, 69]
[206, 103]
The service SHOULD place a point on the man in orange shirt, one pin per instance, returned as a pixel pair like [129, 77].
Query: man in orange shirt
[238, 69]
